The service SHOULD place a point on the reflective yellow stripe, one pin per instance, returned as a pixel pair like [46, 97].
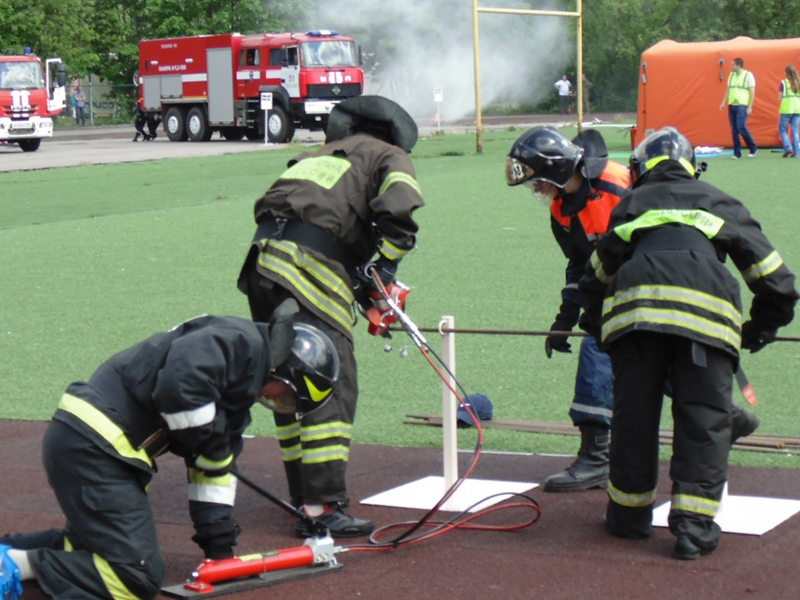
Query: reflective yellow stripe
[326, 454]
[288, 454]
[399, 177]
[654, 161]
[761, 269]
[325, 171]
[327, 431]
[204, 488]
[674, 318]
[104, 426]
[701, 220]
[113, 583]
[335, 311]
[318, 270]
[203, 462]
[200, 477]
[286, 432]
[673, 293]
[390, 251]
[631, 500]
[599, 270]
[695, 504]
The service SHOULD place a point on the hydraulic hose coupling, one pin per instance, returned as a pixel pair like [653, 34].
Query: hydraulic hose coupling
[385, 309]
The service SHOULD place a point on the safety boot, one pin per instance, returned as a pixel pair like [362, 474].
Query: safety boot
[743, 424]
[338, 522]
[686, 549]
[590, 469]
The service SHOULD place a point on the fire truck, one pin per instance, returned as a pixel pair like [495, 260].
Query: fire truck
[201, 84]
[29, 99]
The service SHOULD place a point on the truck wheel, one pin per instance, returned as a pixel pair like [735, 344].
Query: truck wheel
[281, 129]
[197, 126]
[175, 125]
[29, 145]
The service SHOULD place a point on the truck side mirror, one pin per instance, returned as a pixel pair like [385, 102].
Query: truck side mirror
[61, 75]
[360, 56]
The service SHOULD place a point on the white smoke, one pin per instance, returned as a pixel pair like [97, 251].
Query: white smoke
[521, 56]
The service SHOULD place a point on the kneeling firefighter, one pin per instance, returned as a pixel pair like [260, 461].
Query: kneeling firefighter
[187, 391]
[334, 212]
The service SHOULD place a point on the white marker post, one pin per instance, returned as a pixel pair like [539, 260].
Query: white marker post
[438, 97]
[266, 106]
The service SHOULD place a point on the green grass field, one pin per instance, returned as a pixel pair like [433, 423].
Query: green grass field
[96, 258]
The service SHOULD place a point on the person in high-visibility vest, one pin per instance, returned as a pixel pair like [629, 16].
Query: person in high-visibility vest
[740, 94]
[789, 94]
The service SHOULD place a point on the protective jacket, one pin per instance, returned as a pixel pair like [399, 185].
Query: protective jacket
[330, 212]
[660, 266]
[578, 220]
[189, 391]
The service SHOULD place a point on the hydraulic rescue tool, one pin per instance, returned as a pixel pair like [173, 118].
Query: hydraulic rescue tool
[318, 555]
[241, 573]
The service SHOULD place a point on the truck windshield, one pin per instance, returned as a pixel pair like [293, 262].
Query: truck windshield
[25, 75]
[329, 53]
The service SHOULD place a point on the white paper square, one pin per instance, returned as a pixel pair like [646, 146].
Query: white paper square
[426, 492]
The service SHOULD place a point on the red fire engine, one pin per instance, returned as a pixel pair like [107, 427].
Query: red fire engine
[207, 83]
[29, 99]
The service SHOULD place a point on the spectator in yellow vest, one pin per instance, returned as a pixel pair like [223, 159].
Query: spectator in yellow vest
[789, 111]
[740, 94]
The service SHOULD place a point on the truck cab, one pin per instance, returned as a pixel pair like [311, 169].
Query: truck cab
[30, 96]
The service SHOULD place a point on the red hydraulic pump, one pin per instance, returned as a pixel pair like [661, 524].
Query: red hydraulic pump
[217, 577]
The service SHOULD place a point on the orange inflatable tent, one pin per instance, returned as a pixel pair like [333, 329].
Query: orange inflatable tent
[682, 84]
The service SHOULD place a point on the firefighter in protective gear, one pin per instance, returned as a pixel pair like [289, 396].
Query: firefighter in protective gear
[187, 391]
[658, 295]
[581, 186]
[334, 210]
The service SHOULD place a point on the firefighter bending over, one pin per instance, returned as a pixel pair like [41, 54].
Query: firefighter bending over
[334, 210]
[187, 391]
[580, 186]
[658, 296]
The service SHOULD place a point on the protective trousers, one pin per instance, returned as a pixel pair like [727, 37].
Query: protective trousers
[314, 450]
[702, 379]
[109, 547]
[594, 387]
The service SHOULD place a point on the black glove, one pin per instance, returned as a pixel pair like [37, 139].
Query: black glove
[387, 269]
[559, 343]
[754, 338]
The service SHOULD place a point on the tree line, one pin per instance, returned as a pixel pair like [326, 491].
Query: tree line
[101, 37]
